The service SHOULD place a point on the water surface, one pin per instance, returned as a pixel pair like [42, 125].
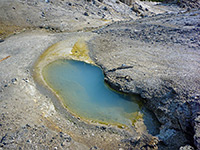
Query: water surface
[83, 91]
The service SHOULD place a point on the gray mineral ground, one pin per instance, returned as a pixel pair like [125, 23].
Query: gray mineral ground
[149, 48]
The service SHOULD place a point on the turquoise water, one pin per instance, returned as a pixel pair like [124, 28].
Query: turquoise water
[83, 91]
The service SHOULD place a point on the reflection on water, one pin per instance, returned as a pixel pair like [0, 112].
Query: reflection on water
[82, 89]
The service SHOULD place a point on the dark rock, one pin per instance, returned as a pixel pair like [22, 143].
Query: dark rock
[14, 80]
[103, 128]
[1, 40]
[68, 139]
[86, 14]
[93, 148]
[105, 8]
[43, 14]
[3, 138]
[28, 126]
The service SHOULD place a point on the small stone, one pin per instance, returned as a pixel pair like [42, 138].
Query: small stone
[186, 147]
[14, 80]
[47, 1]
[105, 8]
[43, 14]
[86, 14]
[93, 148]
[28, 141]
[27, 125]
[1, 40]
[103, 128]
[128, 78]
[26, 80]
[68, 139]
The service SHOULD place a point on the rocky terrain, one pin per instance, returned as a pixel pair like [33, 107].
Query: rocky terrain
[160, 63]
[147, 48]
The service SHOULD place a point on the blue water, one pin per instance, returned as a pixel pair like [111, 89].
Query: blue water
[83, 91]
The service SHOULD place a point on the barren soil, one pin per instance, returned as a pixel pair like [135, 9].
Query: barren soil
[150, 49]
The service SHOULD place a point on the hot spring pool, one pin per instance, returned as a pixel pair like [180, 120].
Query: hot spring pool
[82, 90]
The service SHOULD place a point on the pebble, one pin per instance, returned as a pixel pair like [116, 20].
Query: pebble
[68, 139]
[26, 80]
[128, 78]
[105, 8]
[103, 128]
[43, 14]
[28, 141]
[14, 80]
[86, 14]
